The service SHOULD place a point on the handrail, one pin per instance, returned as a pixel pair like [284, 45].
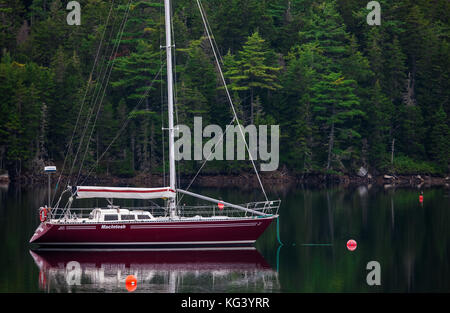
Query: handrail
[262, 208]
[219, 201]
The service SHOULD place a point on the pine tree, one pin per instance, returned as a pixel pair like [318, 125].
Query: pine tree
[411, 131]
[379, 121]
[49, 34]
[394, 70]
[375, 53]
[296, 116]
[142, 24]
[11, 13]
[440, 139]
[252, 71]
[65, 102]
[136, 73]
[336, 111]
[325, 27]
[196, 96]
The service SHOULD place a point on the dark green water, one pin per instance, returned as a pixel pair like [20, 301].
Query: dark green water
[410, 241]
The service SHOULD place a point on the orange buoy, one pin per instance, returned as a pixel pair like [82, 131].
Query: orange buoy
[131, 283]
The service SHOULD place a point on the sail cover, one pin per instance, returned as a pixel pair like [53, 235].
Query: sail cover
[124, 192]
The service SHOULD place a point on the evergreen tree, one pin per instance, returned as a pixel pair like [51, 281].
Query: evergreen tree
[336, 112]
[50, 34]
[296, 116]
[411, 131]
[135, 73]
[325, 27]
[394, 70]
[65, 103]
[196, 96]
[440, 139]
[379, 122]
[251, 71]
[11, 14]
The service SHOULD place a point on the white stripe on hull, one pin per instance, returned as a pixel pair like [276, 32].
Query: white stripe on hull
[192, 226]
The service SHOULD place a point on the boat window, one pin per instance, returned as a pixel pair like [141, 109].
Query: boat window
[111, 217]
[143, 217]
[127, 217]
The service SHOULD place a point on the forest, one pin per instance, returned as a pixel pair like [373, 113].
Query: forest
[345, 94]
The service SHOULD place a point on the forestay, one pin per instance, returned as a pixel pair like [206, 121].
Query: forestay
[84, 192]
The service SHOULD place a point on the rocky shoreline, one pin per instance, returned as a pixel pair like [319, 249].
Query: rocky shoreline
[250, 180]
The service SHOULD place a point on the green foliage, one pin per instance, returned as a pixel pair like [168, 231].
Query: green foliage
[379, 125]
[136, 72]
[21, 113]
[336, 112]
[196, 96]
[412, 131]
[342, 91]
[440, 139]
[11, 12]
[406, 165]
[295, 107]
[251, 72]
[325, 27]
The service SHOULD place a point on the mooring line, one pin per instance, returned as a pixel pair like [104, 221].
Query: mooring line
[278, 259]
[278, 232]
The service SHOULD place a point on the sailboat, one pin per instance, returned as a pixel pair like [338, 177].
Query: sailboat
[219, 224]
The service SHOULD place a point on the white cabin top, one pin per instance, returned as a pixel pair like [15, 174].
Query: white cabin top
[112, 214]
[117, 214]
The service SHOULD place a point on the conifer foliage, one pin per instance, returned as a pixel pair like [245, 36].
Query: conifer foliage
[345, 94]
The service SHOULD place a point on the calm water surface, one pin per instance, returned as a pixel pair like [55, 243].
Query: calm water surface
[410, 240]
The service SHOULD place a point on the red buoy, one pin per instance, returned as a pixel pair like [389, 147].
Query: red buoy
[351, 245]
[220, 205]
[421, 198]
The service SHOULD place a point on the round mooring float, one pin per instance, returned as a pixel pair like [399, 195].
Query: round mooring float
[131, 283]
[351, 245]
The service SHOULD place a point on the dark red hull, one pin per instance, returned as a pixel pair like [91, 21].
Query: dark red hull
[239, 231]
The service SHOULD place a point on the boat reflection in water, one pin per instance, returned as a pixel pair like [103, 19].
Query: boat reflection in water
[170, 270]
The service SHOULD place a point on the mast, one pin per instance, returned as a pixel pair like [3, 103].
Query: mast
[172, 178]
